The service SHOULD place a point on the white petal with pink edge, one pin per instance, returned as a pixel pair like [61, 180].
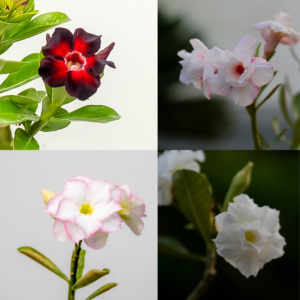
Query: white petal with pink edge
[103, 212]
[263, 72]
[137, 206]
[245, 96]
[82, 177]
[125, 186]
[53, 203]
[88, 224]
[115, 192]
[74, 231]
[134, 223]
[97, 241]
[112, 223]
[247, 43]
[67, 210]
[77, 191]
[198, 46]
[99, 192]
[60, 232]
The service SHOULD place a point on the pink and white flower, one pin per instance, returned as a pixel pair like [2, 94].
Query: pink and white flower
[86, 210]
[239, 74]
[278, 31]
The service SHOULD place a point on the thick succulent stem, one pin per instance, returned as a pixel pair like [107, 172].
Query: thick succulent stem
[74, 266]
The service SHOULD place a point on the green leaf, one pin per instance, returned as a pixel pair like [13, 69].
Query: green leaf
[23, 141]
[102, 290]
[80, 264]
[26, 74]
[38, 25]
[4, 48]
[43, 260]
[296, 106]
[13, 114]
[32, 93]
[282, 101]
[54, 125]
[89, 277]
[193, 199]
[90, 113]
[278, 138]
[23, 17]
[7, 66]
[257, 50]
[240, 182]
[172, 247]
[276, 128]
[296, 134]
[269, 96]
[59, 96]
[20, 100]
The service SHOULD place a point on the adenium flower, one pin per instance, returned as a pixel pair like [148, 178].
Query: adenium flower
[240, 74]
[168, 163]
[248, 235]
[70, 61]
[278, 31]
[86, 210]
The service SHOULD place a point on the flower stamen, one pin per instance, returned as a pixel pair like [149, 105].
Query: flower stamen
[86, 209]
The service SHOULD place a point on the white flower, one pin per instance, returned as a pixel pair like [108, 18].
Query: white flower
[170, 162]
[248, 235]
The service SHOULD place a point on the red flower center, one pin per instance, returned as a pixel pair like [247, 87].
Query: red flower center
[240, 69]
[75, 61]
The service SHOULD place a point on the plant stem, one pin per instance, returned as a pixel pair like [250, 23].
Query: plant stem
[6, 139]
[74, 266]
[208, 274]
[43, 121]
[254, 127]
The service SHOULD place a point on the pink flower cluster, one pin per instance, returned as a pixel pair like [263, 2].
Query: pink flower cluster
[89, 210]
[237, 74]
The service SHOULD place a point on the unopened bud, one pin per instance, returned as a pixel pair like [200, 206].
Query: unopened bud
[47, 195]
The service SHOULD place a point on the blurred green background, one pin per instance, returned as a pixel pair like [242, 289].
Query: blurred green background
[275, 182]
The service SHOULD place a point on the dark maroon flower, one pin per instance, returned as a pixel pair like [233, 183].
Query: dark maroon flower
[70, 61]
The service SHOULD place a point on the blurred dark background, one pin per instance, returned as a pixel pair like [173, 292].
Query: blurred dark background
[275, 182]
[186, 119]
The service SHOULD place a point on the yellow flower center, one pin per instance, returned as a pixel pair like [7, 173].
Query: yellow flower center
[86, 209]
[126, 205]
[250, 237]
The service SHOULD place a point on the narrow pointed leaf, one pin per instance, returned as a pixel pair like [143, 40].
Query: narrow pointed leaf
[24, 17]
[43, 260]
[80, 264]
[193, 199]
[276, 128]
[55, 125]
[278, 138]
[269, 96]
[102, 290]
[89, 277]
[38, 25]
[23, 141]
[296, 134]
[7, 66]
[264, 141]
[90, 113]
[282, 101]
[172, 247]
[26, 73]
[257, 50]
[13, 114]
[296, 106]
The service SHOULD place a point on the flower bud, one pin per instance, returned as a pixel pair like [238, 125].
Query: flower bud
[47, 195]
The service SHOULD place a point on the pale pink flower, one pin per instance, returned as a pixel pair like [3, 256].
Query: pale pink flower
[240, 74]
[86, 210]
[278, 31]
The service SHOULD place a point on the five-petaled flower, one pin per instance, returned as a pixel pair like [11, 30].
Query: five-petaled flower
[248, 235]
[70, 61]
[278, 31]
[89, 210]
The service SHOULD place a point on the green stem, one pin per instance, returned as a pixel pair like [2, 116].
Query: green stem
[6, 139]
[43, 121]
[74, 266]
[254, 127]
[208, 274]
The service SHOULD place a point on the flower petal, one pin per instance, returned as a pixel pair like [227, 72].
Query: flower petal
[53, 203]
[100, 193]
[81, 84]
[247, 43]
[77, 191]
[134, 223]
[269, 218]
[97, 241]
[244, 96]
[125, 186]
[60, 232]
[95, 65]
[53, 71]
[103, 212]
[240, 214]
[263, 72]
[67, 210]
[61, 43]
[75, 233]
[218, 222]
[199, 47]
[137, 206]
[218, 85]
[115, 192]
[103, 54]
[89, 224]
[244, 199]
[86, 43]
[112, 223]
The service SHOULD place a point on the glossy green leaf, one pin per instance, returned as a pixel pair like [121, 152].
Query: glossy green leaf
[102, 290]
[80, 264]
[38, 25]
[23, 141]
[172, 247]
[54, 125]
[20, 100]
[7, 66]
[26, 74]
[43, 260]
[90, 277]
[23, 17]
[4, 48]
[32, 93]
[4, 26]
[282, 101]
[193, 199]
[239, 183]
[90, 113]
[268, 96]
[296, 106]
[276, 128]
[13, 114]
[296, 134]
[60, 96]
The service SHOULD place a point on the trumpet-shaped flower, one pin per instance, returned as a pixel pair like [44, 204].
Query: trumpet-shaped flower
[133, 209]
[170, 162]
[248, 235]
[240, 74]
[70, 61]
[278, 31]
[86, 210]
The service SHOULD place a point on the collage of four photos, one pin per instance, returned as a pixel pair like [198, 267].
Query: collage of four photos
[150, 149]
